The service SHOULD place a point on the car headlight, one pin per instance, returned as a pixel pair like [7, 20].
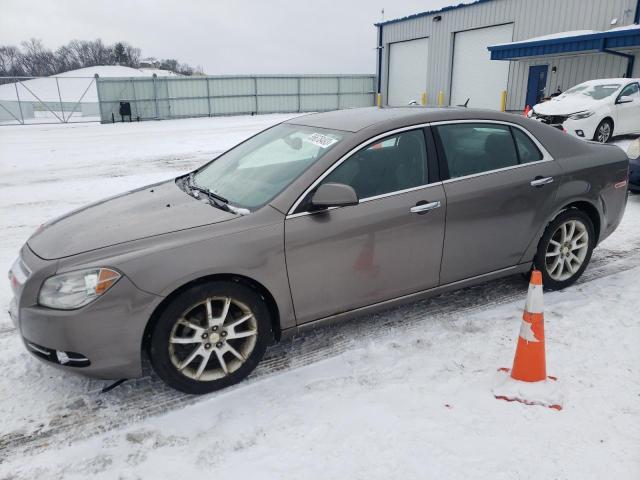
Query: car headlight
[581, 115]
[68, 291]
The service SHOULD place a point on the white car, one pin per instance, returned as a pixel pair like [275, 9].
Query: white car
[594, 110]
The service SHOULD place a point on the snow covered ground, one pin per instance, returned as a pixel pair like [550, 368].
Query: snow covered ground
[404, 393]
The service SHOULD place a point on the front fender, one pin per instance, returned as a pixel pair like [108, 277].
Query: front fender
[249, 247]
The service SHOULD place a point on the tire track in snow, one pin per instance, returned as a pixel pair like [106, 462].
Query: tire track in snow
[86, 414]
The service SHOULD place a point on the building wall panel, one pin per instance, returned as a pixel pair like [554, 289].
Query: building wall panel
[531, 18]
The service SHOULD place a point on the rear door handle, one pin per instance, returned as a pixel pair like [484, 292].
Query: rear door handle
[424, 207]
[541, 181]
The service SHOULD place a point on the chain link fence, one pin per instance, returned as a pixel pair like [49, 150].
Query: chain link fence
[156, 98]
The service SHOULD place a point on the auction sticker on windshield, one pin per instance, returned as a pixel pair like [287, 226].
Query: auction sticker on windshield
[320, 140]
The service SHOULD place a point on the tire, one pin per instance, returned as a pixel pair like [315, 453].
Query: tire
[574, 248]
[188, 333]
[604, 131]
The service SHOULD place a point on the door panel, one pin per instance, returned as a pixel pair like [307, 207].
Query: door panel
[492, 218]
[350, 257]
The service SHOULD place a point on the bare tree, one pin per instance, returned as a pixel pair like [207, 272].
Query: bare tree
[33, 59]
[10, 61]
[36, 60]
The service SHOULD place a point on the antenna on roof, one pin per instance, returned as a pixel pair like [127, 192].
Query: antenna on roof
[465, 104]
[382, 15]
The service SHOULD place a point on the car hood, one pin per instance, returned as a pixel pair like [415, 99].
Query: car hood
[145, 212]
[567, 105]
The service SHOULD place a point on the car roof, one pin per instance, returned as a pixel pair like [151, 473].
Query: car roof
[356, 119]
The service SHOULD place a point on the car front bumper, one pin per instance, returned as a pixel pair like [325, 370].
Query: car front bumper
[102, 339]
[584, 128]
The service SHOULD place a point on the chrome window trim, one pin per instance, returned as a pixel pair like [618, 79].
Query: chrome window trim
[498, 170]
[546, 157]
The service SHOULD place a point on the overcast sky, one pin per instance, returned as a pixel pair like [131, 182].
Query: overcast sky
[224, 37]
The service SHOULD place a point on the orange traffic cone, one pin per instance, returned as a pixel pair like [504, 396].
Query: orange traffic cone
[529, 364]
[527, 109]
[527, 381]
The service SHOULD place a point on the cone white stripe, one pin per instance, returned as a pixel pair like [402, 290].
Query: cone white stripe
[526, 332]
[534, 299]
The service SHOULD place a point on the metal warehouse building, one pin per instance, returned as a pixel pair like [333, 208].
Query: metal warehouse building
[528, 48]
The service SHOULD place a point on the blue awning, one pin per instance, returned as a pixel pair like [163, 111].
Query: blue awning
[570, 43]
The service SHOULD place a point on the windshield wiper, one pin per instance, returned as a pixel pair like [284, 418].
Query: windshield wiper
[214, 199]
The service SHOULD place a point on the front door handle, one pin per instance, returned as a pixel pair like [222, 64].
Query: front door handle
[424, 207]
[541, 181]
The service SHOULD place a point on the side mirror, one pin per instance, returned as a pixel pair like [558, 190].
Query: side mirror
[625, 99]
[334, 195]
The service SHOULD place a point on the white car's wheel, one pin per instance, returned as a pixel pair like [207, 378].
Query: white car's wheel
[604, 132]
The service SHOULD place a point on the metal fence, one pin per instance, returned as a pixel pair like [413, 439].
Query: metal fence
[155, 98]
[34, 100]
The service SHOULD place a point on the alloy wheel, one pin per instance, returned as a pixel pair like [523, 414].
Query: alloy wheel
[604, 132]
[213, 338]
[567, 250]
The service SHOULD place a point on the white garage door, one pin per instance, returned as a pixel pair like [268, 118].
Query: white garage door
[407, 71]
[475, 76]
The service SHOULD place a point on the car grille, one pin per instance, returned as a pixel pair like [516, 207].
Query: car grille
[550, 119]
[18, 274]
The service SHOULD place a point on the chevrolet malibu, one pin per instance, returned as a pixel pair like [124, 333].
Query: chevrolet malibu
[320, 218]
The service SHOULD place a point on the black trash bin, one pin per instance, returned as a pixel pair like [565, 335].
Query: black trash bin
[125, 110]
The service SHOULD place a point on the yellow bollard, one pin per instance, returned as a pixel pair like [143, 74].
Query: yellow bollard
[423, 99]
[503, 101]
[440, 98]
[379, 100]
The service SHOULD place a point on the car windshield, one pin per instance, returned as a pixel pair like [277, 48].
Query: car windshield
[597, 92]
[254, 172]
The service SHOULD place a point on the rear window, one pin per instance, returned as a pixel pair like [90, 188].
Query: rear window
[471, 148]
[527, 150]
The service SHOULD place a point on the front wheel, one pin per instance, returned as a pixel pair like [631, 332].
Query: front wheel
[604, 131]
[565, 249]
[210, 337]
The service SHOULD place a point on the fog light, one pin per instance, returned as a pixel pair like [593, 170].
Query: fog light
[580, 133]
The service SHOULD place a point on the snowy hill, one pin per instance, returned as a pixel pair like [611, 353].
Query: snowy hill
[72, 84]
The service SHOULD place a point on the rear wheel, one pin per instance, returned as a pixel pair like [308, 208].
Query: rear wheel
[604, 131]
[565, 249]
[210, 336]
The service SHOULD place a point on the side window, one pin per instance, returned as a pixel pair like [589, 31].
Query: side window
[527, 150]
[392, 164]
[476, 147]
[630, 90]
